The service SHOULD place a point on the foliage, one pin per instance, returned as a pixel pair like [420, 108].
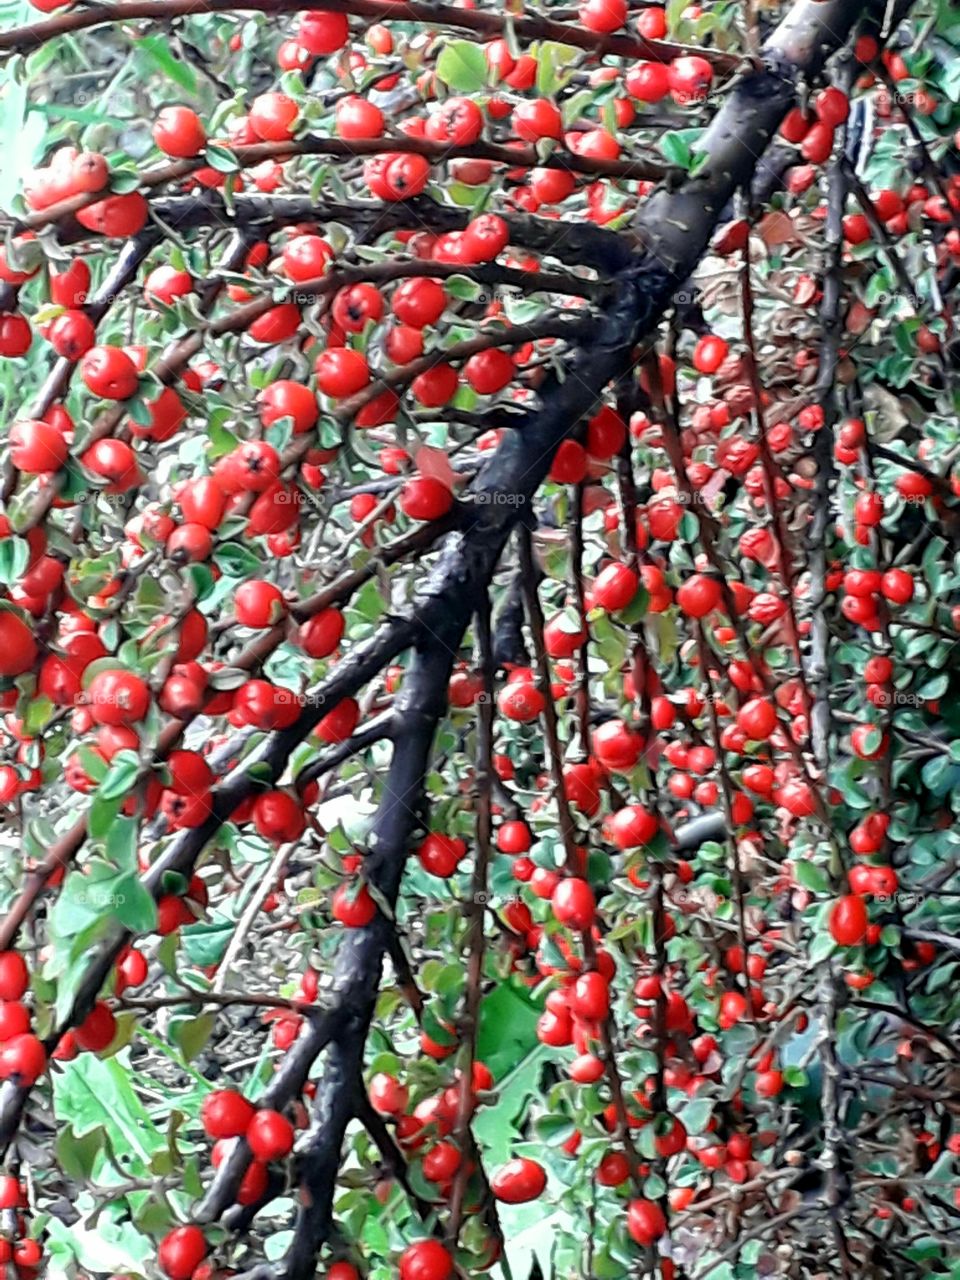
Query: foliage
[480, 542]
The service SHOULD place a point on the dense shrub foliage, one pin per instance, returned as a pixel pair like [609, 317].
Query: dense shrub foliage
[479, 559]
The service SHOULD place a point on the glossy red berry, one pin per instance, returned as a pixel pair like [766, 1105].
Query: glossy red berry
[709, 353]
[273, 117]
[23, 1059]
[353, 907]
[258, 604]
[645, 1222]
[226, 1114]
[110, 373]
[270, 1135]
[181, 1252]
[426, 1260]
[14, 975]
[699, 596]
[573, 903]
[519, 1181]
[425, 498]
[179, 132]
[615, 587]
[98, 1029]
[848, 921]
[341, 371]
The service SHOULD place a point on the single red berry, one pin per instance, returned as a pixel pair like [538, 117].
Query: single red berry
[270, 1135]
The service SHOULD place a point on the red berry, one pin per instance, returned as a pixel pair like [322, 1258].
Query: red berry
[18, 649]
[897, 586]
[832, 106]
[353, 908]
[273, 116]
[23, 1057]
[709, 353]
[225, 1114]
[109, 372]
[179, 132]
[118, 697]
[514, 837]
[489, 371]
[286, 399]
[14, 975]
[425, 498]
[590, 997]
[181, 1252]
[573, 903]
[270, 1135]
[96, 1032]
[426, 1260]
[648, 81]
[690, 78]
[258, 604]
[306, 257]
[358, 118]
[341, 372]
[615, 587]
[848, 921]
[388, 1095]
[645, 1221]
[521, 701]
[519, 1181]
[633, 826]
[456, 122]
[537, 119]
[419, 302]
[757, 718]
[323, 33]
[698, 596]
[603, 16]
[441, 854]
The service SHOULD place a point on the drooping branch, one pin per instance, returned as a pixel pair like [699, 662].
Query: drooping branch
[483, 22]
[674, 228]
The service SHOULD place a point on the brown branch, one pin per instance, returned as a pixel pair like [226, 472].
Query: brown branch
[469, 1020]
[483, 22]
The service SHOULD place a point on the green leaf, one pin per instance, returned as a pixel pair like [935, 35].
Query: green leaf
[812, 877]
[553, 66]
[139, 411]
[204, 943]
[463, 66]
[134, 906]
[192, 1035]
[39, 713]
[508, 1028]
[676, 146]
[103, 814]
[636, 610]
[14, 557]
[696, 1115]
[92, 1093]
[77, 1156]
[237, 561]
[498, 1128]
[121, 844]
[156, 49]
[221, 159]
[120, 778]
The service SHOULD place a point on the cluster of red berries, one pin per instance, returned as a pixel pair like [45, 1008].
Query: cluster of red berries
[22, 1255]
